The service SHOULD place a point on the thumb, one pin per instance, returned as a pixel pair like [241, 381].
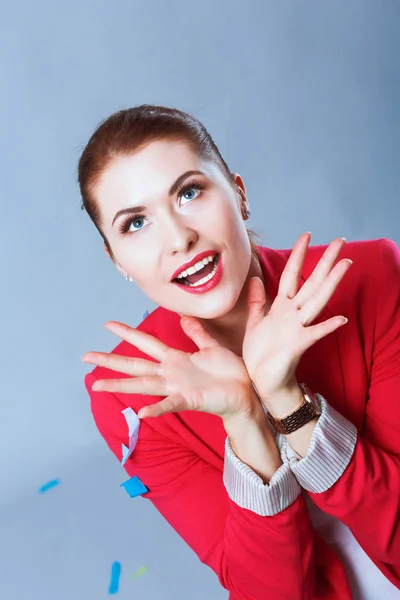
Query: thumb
[256, 302]
[197, 332]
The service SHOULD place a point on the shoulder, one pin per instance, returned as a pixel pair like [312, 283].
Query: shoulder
[107, 407]
[370, 285]
[366, 253]
[374, 261]
[373, 278]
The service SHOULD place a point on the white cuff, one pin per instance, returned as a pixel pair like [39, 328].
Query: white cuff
[248, 490]
[330, 451]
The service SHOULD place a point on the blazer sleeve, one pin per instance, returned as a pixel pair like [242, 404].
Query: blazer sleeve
[364, 492]
[254, 556]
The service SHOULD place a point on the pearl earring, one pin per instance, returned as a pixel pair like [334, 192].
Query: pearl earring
[128, 278]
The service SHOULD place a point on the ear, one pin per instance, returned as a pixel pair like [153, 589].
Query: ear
[107, 252]
[115, 263]
[120, 269]
[240, 186]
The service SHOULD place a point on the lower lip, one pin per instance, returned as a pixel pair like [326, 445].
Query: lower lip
[206, 287]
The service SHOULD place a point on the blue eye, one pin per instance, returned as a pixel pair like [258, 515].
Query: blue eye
[125, 225]
[136, 219]
[188, 190]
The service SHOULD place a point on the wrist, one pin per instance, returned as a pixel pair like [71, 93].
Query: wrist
[299, 423]
[250, 424]
[284, 402]
[251, 410]
[252, 442]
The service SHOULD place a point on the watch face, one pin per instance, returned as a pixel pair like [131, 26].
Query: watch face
[311, 397]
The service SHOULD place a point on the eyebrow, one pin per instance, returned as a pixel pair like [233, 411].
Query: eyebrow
[173, 189]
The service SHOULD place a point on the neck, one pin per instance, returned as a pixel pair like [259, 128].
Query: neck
[229, 329]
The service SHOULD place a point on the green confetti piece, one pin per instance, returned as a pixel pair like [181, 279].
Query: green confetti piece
[138, 573]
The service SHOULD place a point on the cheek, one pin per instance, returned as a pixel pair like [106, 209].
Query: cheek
[140, 266]
[232, 226]
[145, 274]
[226, 219]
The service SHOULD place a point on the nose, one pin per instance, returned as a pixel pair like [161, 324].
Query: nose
[179, 236]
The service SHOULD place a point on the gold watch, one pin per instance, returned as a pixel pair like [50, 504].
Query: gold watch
[310, 408]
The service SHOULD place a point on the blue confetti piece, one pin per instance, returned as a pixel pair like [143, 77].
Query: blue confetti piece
[115, 575]
[134, 487]
[48, 485]
[146, 314]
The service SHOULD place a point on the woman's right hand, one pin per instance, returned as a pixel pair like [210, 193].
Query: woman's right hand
[213, 380]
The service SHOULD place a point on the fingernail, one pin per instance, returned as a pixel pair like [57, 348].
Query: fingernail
[343, 238]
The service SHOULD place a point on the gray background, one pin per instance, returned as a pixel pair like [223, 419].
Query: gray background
[302, 99]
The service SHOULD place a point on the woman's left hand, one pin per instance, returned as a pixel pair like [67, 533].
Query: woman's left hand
[274, 343]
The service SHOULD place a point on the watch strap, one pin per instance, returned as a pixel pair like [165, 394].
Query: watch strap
[307, 410]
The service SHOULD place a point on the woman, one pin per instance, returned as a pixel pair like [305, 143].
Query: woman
[300, 507]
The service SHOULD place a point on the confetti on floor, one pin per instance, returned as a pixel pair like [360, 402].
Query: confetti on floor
[115, 575]
[138, 573]
[48, 485]
[134, 487]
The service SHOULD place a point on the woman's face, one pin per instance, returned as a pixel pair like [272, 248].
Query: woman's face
[151, 242]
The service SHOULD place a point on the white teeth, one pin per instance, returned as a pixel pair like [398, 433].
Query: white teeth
[199, 265]
[206, 278]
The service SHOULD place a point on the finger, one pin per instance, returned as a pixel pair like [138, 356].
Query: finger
[173, 403]
[122, 364]
[150, 386]
[256, 302]
[147, 343]
[321, 330]
[321, 271]
[289, 281]
[316, 303]
[197, 332]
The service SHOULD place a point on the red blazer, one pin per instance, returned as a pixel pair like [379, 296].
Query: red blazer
[180, 456]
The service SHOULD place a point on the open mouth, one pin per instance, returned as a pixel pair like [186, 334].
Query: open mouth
[205, 274]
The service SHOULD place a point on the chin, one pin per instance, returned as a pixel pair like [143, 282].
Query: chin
[217, 309]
